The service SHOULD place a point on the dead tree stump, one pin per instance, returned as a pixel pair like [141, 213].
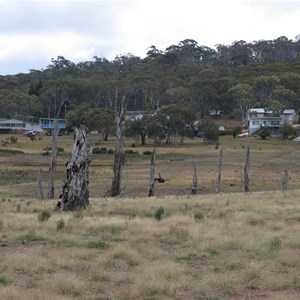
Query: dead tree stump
[75, 193]
[151, 176]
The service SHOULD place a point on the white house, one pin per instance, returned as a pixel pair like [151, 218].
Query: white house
[18, 127]
[259, 117]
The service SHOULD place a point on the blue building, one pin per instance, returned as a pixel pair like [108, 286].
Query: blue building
[48, 123]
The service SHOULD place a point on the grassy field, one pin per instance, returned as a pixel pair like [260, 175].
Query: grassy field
[268, 159]
[225, 246]
[173, 246]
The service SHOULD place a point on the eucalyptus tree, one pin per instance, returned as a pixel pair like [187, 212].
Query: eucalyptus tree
[263, 87]
[177, 122]
[244, 98]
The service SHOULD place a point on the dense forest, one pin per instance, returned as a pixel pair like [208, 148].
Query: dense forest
[188, 79]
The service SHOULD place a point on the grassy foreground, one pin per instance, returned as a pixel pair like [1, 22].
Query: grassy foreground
[226, 246]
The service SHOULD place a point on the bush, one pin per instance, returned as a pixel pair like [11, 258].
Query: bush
[264, 132]
[13, 139]
[147, 152]
[110, 151]
[60, 225]
[286, 130]
[198, 216]
[158, 213]
[130, 151]
[100, 150]
[237, 130]
[44, 216]
[96, 244]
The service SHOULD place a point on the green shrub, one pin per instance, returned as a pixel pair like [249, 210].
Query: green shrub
[29, 238]
[44, 216]
[96, 244]
[4, 280]
[158, 213]
[100, 150]
[198, 216]
[264, 132]
[60, 225]
[147, 152]
[13, 139]
[110, 151]
[237, 130]
[130, 151]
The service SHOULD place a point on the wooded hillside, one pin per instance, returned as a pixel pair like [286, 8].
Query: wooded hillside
[263, 73]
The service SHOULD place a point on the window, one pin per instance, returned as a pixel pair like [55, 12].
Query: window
[274, 122]
[255, 123]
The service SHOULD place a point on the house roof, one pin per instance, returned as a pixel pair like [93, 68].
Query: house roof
[288, 111]
[258, 110]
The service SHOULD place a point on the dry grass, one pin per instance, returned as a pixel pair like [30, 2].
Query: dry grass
[244, 246]
[268, 159]
[225, 246]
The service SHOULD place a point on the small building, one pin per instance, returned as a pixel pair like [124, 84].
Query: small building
[259, 117]
[290, 116]
[14, 126]
[48, 124]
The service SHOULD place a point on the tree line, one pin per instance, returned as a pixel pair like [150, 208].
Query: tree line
[197, 78]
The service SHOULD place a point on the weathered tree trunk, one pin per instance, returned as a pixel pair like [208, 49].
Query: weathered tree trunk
[119, 155]
[52, 167]
[285, 180]
[218, 183]
[75, 193]
[151, 176]
[246, 171]
[195, 180]
[40, 188]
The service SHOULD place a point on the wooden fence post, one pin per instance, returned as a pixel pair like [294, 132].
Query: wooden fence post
[218, 183]
[52, 166]
[151, 176]
[285, 180]
[246, 171]
[195, 180]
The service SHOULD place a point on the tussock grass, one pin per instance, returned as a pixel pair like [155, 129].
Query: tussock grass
[242, 245]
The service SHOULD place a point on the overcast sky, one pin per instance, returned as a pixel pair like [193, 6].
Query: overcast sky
[33, 32]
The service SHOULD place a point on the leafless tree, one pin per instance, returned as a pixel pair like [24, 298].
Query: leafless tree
[119, 155]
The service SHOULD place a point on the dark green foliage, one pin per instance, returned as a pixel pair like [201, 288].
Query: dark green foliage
[264, 132]
[44, 216]
[147, 152]
[210, 131]
[198, 216]
[8, 151]
[13, 139]
[96, 244]
[286, 130]
[158, 213]
[237, 130]
[60, 225]
[131, 152]
[5, 280]
[29, 238]
[183, 81]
